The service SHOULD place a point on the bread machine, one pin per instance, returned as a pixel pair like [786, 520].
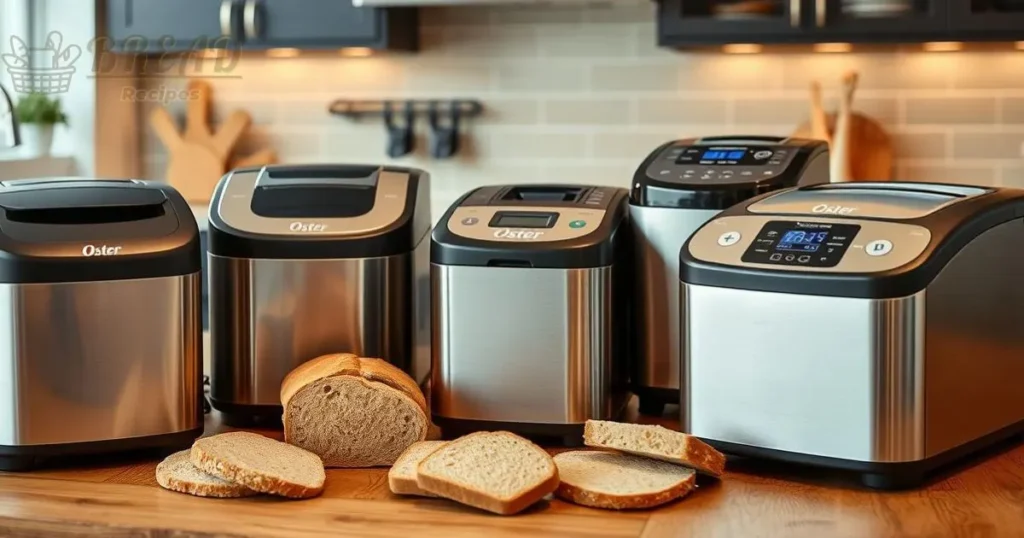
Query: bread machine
[873, 327]
[100, 347]
[530, 295]
[676, 189]
[310, 260]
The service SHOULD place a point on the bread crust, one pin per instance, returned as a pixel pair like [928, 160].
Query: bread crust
[696, 454]
[166, 478]
[400, 485]
[255, 481]
[479, 499]
[593, 499]
[339, 364]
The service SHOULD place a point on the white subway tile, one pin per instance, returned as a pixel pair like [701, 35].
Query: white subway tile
[588, 112]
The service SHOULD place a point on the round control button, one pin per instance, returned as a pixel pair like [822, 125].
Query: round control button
[577, 224]
[469, 221]
[878, 247]
[761, 155]
[729, 239]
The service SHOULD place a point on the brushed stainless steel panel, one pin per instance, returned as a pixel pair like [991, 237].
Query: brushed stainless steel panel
[93, 361]
[560, 231]
[827, 376]
[269, 316]
[659, 234]
[522, 345]
[975, 340]
[909, 241]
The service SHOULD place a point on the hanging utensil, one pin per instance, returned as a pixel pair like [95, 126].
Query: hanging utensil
[401, 138]
[444, 140]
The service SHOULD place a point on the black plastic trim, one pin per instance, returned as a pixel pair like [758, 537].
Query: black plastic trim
[570, 435]
[167, 244]
[596, 249]
[649, 192]
[30, 457]
[881, 475]
[952, 228]
[400, 237]
[245, 415]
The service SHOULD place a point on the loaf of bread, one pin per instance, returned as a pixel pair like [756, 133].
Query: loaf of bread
[353, 411]
[617, 481]
[655, 442]
[495, 471]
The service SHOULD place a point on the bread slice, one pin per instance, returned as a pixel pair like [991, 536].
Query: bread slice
[495, 471]
[352, 411]
[177, 473]
[402, 476]
[616, 481]
[655, 442]
[260, 463]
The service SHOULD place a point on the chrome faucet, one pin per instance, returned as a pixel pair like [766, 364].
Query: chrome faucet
[9, 131]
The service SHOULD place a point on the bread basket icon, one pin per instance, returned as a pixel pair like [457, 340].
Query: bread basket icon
[48, 77]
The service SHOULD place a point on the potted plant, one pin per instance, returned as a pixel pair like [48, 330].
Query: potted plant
[37, 113]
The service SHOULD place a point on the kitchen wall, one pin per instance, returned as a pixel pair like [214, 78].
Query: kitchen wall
[582, 94]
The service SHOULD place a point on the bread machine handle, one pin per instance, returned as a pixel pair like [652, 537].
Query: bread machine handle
[326, 175]
[741, 139]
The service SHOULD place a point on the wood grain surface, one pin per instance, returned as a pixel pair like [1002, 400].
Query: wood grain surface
[982, 498]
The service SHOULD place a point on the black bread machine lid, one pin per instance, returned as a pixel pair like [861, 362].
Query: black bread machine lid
[79, 230]
[331, 211]
[533, 226]
[714, 173]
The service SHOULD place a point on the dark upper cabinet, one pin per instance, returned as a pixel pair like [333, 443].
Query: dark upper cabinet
[683, 23]
[171, 25]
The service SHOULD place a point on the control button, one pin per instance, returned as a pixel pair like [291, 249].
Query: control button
[803, 259]
[665, 172]
[729, 238]
[790, 257]
[776, 257]
[469, 221]
[769, 173]
[761, 155]
[577, 224]
[746, 173]
[772, 233]
[878, 247]
[775, 163]
[705, 177]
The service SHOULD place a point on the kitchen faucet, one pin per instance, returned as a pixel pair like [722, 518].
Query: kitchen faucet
[9, 131]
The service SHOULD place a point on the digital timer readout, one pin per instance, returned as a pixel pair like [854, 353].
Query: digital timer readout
[714, 155]
[802, 240]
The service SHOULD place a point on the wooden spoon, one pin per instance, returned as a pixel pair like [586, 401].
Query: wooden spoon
[840, 168]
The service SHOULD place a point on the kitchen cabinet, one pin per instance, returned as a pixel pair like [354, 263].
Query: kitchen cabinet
[688, 23]
[162, 26]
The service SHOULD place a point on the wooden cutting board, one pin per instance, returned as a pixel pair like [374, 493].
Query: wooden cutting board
[198, 156]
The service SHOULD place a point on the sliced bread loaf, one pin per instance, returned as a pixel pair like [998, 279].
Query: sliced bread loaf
[655, 442]
[352, 411]
[402, 476]
[620, 481]
[495, 471]
[260, 463]
[177, 473]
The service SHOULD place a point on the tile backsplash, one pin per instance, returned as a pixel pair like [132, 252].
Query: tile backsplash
[582, 94]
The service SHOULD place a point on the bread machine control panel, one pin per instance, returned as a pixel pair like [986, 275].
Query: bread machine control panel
[720, 163]
[531, 214]
[808, 244]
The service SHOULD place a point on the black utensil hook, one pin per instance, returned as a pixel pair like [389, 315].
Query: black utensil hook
[401, 138]
[444, 141]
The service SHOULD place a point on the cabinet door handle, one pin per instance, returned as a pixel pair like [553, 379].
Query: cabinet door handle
[226, 9]
[794, 13]
[249, 19]
[820, 13]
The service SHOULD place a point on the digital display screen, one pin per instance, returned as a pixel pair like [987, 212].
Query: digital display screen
[523, 220]
[801, 240]
[727, 155]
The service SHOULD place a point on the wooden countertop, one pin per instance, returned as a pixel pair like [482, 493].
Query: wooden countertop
[754, 499]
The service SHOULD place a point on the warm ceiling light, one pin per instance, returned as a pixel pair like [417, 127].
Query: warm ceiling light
[283, 53]
[212, 53]
[742, 48]
[833, 47]
[356, 52]
[1020, 45]
[943, 46]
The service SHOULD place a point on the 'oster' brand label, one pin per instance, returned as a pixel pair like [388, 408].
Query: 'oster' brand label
[100, 250]
[307, 227]
[512, 233]
[832, 209]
